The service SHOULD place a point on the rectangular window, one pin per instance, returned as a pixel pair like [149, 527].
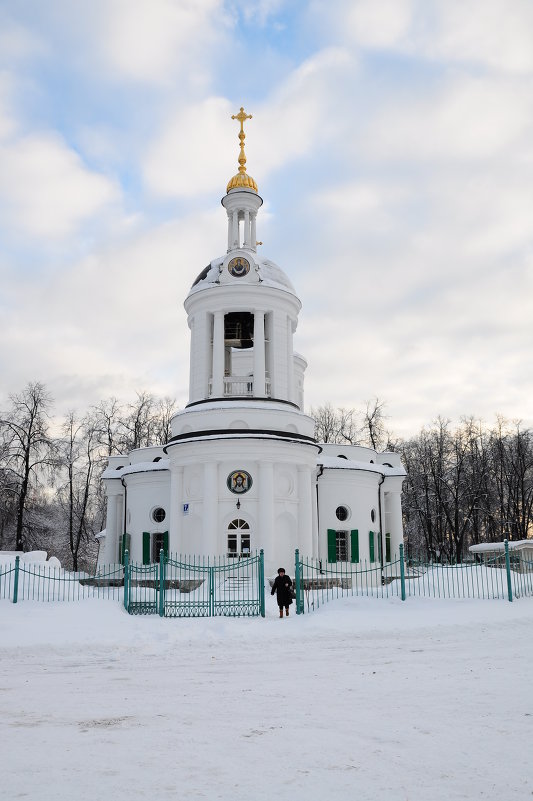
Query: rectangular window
[387, 548]
[146, 547]
[341, 541]
[159, 543]
[371, 546]
[232, 545]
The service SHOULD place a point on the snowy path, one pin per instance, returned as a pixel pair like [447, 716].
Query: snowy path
[365, 699]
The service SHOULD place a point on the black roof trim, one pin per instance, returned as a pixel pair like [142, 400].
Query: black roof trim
[290, 436]
[245, 398]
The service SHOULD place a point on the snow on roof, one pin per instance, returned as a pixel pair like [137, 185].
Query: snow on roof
[140, 467]
[514, 545]
[269, 273]
[338, 463]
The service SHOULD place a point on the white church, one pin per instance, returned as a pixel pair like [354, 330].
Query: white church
[242, 470]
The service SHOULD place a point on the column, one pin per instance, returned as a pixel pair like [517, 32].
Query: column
[314, 506]
[290, 363]
[266, 516]
[253, 235]
[393, 507]
[246, 236]
[230, 231]
[235, 226]
[305, 511]
[175, 511]
[192, 359]
[218, 355]
[259, 354]
[211, 540]
[207, 355]
[110, 555]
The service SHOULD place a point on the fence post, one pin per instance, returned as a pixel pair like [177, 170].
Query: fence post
[16, 583]
[508, 569]
[211, 591]
[262, 582]
[402, 572]
[297, 581]
[126, 580]
[161, 583]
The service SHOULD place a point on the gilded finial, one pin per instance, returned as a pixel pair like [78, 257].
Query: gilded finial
[242, 180]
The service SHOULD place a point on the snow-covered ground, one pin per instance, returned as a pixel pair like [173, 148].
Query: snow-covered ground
[366, 699]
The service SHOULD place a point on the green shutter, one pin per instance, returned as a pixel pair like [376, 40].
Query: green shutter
[387, 548]
[354, 545]
[371, 546]
[380, 547]
[165, 543]
[332, 545]
[146, 548]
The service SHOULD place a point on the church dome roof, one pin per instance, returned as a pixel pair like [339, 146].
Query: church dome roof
[268, 272]
[241, 181]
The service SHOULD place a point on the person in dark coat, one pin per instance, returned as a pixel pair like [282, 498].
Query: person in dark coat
[282, 587]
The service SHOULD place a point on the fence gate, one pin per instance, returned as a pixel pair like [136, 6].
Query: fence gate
[196, 587]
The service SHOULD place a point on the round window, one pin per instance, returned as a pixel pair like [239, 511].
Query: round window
[159, 514]
[373, 515]
[342, 513]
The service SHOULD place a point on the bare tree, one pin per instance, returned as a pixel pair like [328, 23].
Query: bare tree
[29, 450]
[374, 424]
[81, 456]
[165, 410]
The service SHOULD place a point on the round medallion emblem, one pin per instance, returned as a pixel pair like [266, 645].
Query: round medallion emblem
[239, 266]
[239, 482]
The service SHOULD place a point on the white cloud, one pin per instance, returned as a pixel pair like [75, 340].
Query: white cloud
[18, 43]
[379, 23]
[45, 189]
[113, 322]
[469, 118]
[496, 33]
[191, 155]
[302, 112]
[493, 33]
[260, 11]
[150, 40]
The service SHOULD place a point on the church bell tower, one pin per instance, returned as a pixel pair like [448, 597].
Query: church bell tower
[243, 311]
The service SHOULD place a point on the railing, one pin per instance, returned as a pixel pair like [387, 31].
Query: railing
[504, 577]
[196, 587]
[35, 581]
[240, 386]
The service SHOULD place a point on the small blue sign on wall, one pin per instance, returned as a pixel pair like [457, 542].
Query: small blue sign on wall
[185, 508]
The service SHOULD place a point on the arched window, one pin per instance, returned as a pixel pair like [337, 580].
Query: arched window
[238, 538]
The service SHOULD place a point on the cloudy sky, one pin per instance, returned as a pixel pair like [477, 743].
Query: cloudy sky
[392, 142]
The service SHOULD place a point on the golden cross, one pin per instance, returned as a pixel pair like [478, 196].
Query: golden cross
[241, 116]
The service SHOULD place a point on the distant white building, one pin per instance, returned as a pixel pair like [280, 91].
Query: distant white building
[242, 470]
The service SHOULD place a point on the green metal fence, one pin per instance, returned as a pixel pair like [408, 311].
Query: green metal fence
[37, 581]
[196, 586]
[507, 575]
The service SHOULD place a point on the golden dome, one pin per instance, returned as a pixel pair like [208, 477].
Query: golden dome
[242, 180]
